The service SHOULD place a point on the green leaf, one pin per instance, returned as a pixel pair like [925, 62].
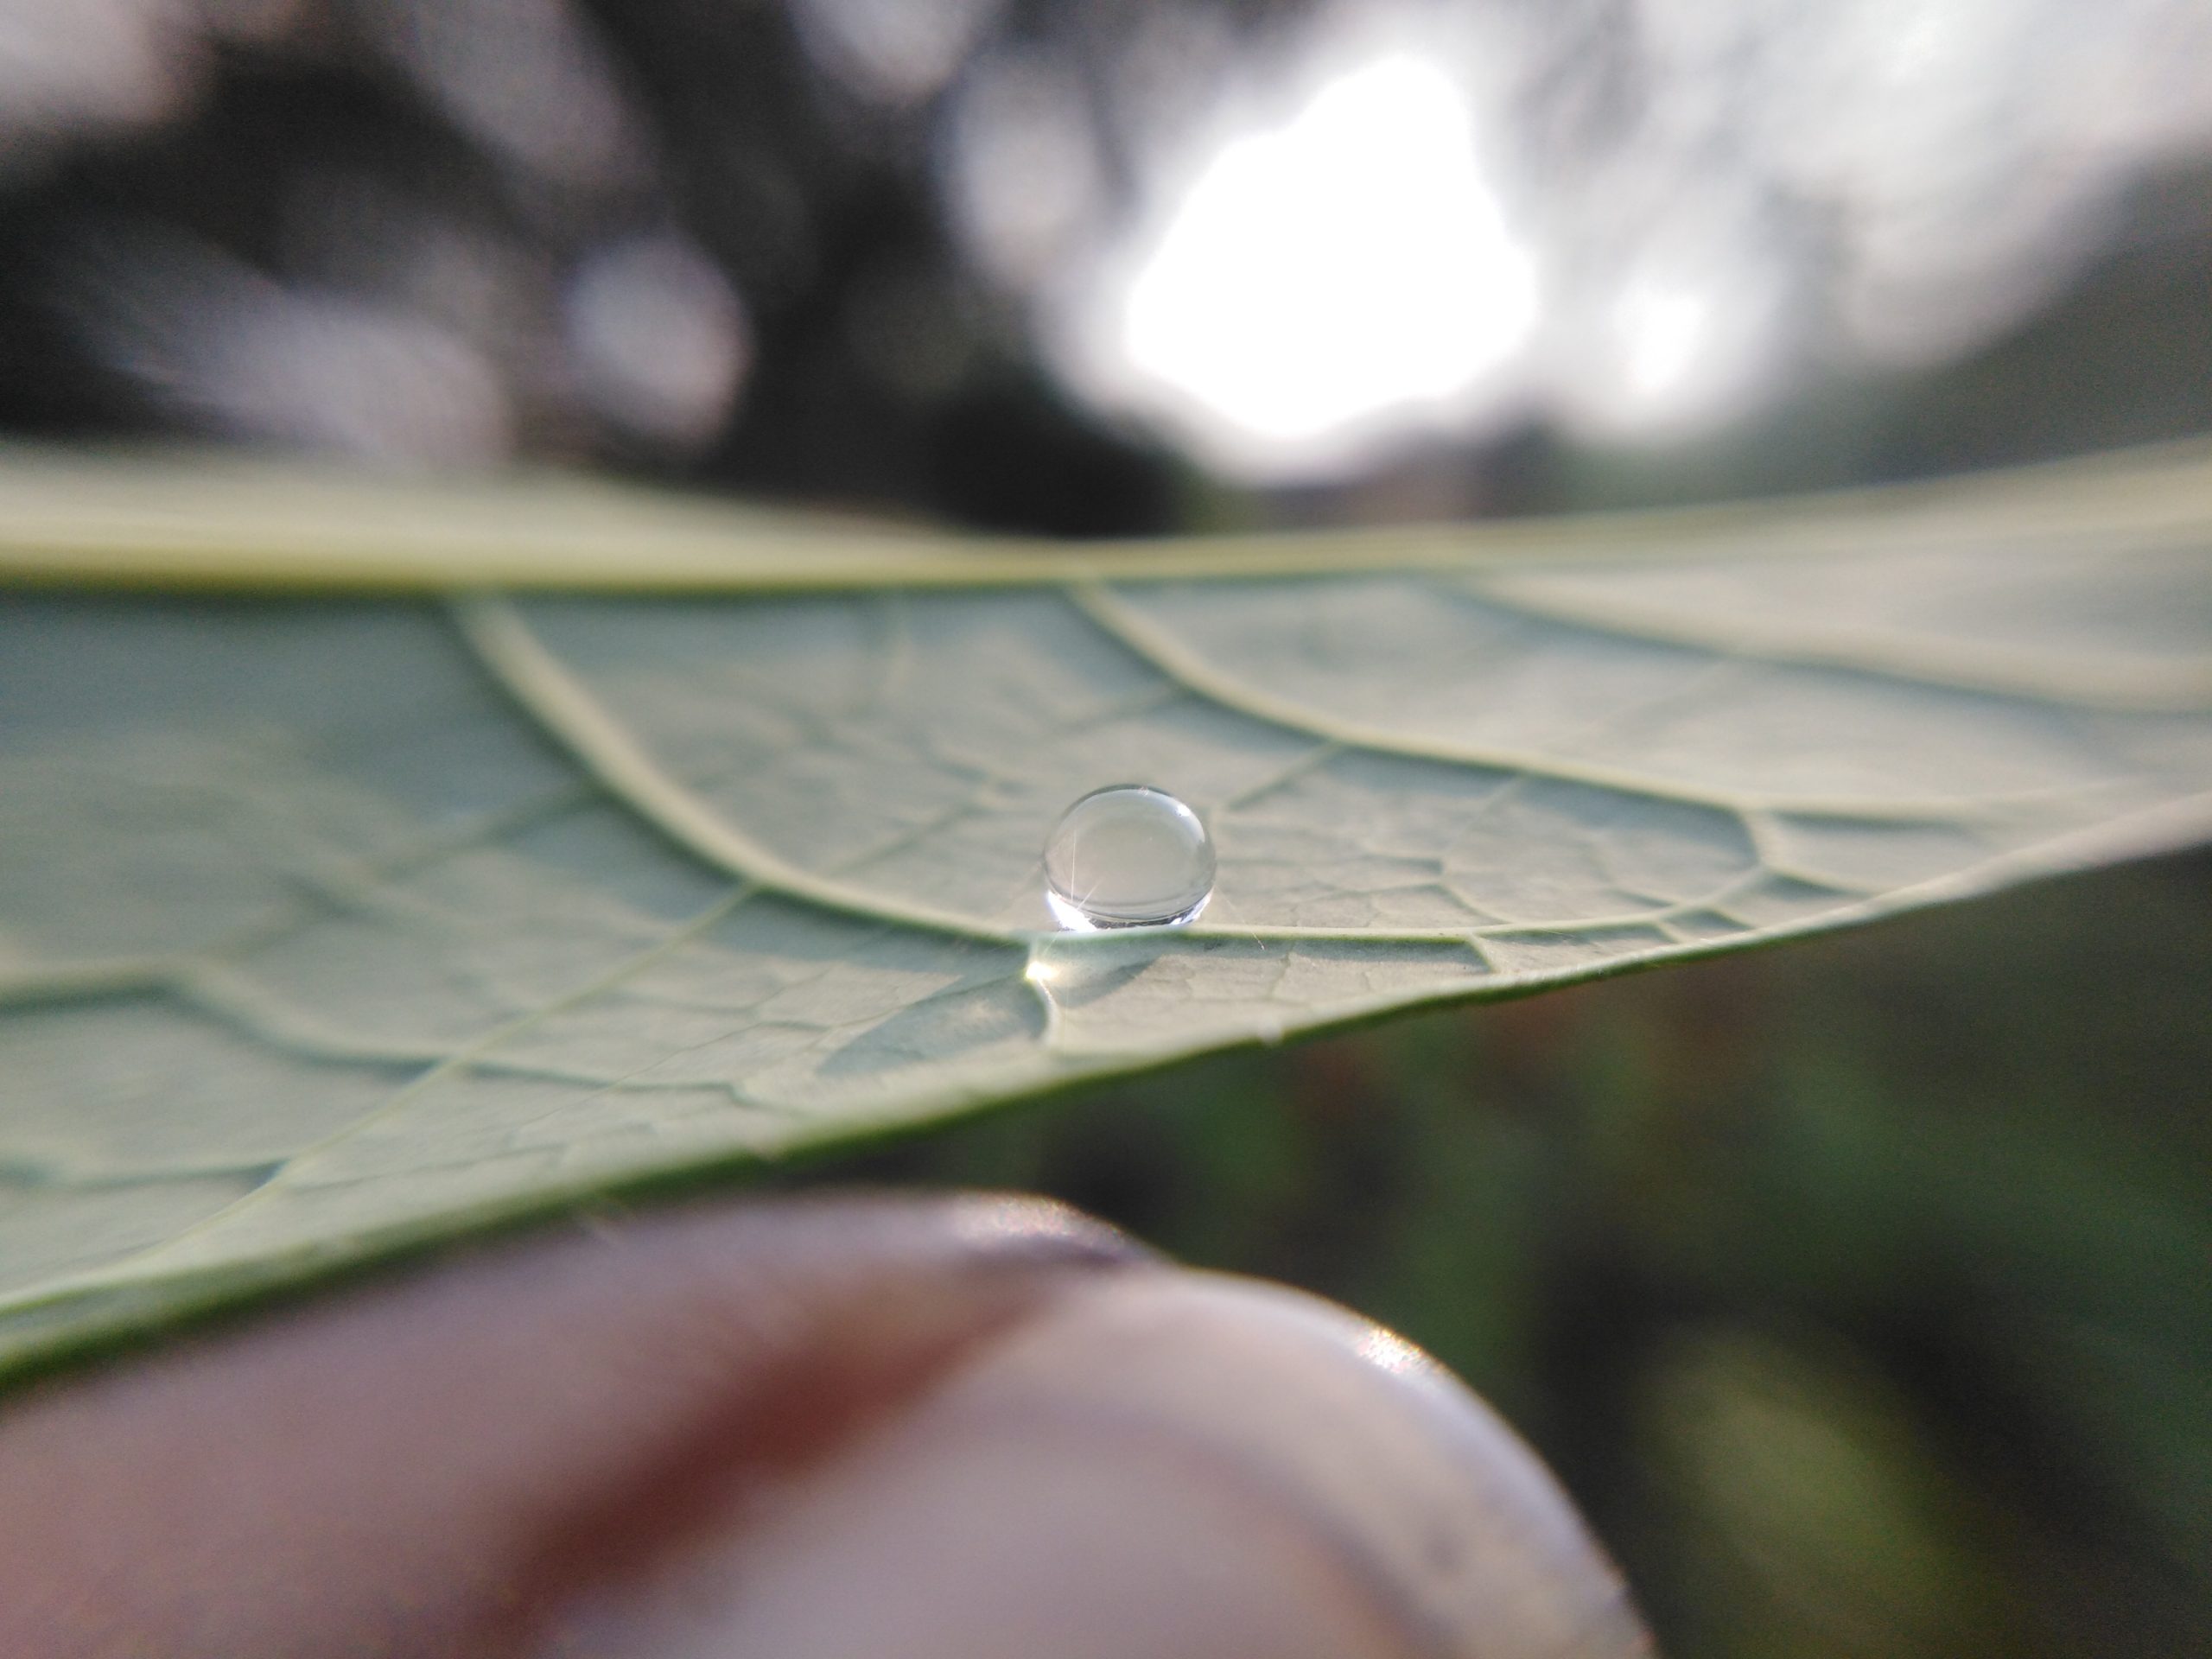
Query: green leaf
[359, 915]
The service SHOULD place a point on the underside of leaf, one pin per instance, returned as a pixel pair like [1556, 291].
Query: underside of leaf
[349, 918]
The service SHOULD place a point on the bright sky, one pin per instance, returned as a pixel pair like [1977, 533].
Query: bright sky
[1330, 285]
[1421, 233]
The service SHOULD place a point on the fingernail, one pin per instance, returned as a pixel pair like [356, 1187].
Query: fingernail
[1151, 1465]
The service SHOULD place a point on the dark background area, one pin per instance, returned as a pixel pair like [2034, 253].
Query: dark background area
[1858, 1289]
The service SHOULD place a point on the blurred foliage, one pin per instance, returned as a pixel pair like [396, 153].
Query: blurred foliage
[372, 225]
[146, 263]
[1858, 1289]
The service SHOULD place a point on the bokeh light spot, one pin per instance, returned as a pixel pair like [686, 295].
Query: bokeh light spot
[1330, 285]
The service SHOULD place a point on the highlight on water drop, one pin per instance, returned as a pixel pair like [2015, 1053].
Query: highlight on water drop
[1127, 855]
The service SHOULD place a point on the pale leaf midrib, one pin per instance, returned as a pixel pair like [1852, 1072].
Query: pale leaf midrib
[211, 524]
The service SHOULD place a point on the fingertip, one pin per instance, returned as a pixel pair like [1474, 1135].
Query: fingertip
[416, 1465]
[1155, 1465]
[976, 1426]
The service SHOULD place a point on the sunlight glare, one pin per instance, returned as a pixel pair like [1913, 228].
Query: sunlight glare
[1663, 330]
[1343, 281]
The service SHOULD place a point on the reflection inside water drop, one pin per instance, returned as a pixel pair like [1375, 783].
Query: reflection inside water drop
[1128, 856]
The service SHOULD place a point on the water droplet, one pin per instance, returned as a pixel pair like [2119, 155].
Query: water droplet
[1128, 856]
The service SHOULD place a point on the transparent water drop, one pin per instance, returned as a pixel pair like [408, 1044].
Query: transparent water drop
[1129, 856]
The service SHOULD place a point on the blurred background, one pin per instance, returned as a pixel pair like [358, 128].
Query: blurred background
[1860, 1290]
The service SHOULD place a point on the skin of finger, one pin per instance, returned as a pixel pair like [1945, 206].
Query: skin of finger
[1149, 1468]
[426, 1467]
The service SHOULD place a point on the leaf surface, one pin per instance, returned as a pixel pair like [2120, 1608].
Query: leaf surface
[547, 837]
